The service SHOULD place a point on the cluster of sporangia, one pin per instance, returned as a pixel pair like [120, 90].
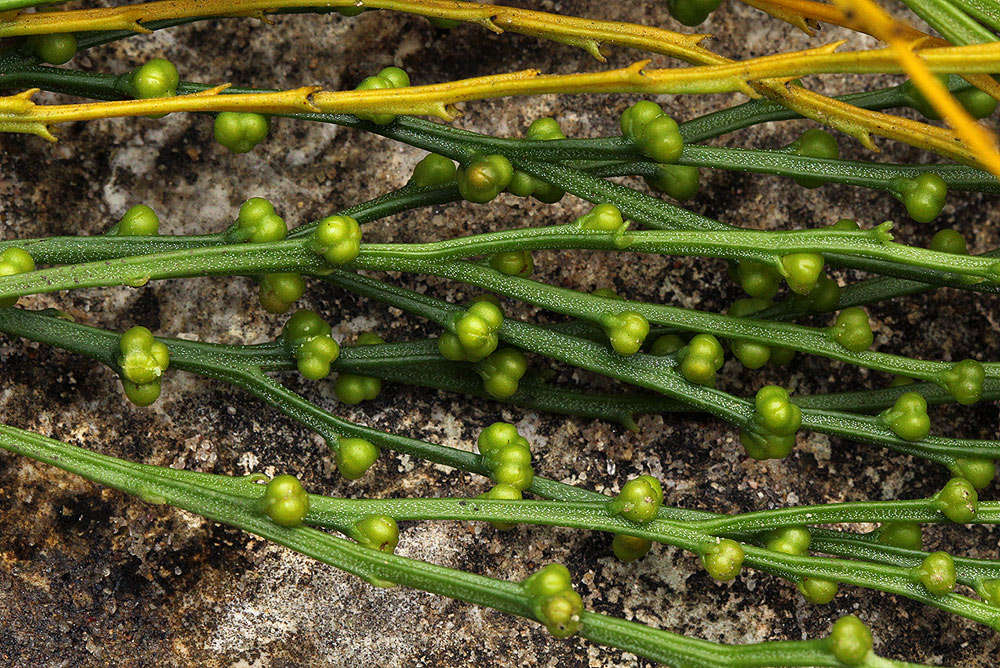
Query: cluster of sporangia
[472, 336]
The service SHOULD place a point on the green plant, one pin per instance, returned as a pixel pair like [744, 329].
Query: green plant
[491, 346]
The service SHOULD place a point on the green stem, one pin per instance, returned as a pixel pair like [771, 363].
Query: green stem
[535, 393]
[864, 547]
[226, 260]
[643, 209]
[241, 366]
[294, 255]
[860, 293]
[233, 501]
[879, 176]
[11, 5]
[733, 244]
[594, 309]
[462, 145]
[396, 362]
[957, 27]
[659, 374]
[76, 250]
[58, 250]
[596, 516]
[986, 11]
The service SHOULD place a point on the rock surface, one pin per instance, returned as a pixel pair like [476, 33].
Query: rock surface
[91, 577]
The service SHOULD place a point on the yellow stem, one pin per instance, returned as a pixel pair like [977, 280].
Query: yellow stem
[796, 19]
[437, 99]
[978, 139]
[859, 123]
[824, 13]
[586, 33]
[806, 10]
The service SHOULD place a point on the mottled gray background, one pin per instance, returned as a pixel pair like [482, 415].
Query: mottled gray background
[91, 577]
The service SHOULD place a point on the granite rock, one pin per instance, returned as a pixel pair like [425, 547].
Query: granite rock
[91, 577]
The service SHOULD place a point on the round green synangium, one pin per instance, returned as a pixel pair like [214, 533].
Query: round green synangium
[157, 78]
[14, 261]
[284, 501]
[139, 221]
[723, 560]
[240, 131]
[355, 456]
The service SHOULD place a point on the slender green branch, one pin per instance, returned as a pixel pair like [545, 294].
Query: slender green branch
[238, 365]
[295, 256]
[593, 308]
[660, 374]
[733, 244]
[58, 250]
[77, 249]
[233, 501]
[641, 208]
[870, 291]
[341, 513]
[970, 572]
[690, 535]
[12, 5]
[395, 362]
[462, 145]
[203, 255]
[879, 176]
[957, 27]
[874, 175]
[987, 12]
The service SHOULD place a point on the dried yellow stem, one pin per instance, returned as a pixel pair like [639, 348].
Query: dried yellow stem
[979, 140]
[585, 33]
[779, 12]
[438, 99]
[859, 123]
[824, 13]
[800, 12]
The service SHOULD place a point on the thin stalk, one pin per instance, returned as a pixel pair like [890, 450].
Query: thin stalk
[13, 5]
[57, 250]
[233, 501]
[643, 209]
[878, 176]
[731, 244]
[242, 367]
[77, 250]
[596, 516]
[395, 362]
[295, 256]
[949, 20]
[659, 374]
[595, 309]
[987, 12]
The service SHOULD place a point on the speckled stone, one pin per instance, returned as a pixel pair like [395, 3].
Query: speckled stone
[90, 577]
